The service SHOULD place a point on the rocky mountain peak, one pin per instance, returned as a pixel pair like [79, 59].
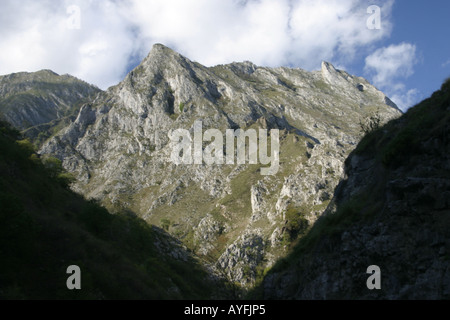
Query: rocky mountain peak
[327, 67]
[246, 67]
[161, 55]
[351, 84]
[164, 60]
[165, 75]
[119, 149]
[337, 77]
[46, 72]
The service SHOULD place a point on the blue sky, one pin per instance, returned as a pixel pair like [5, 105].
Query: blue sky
[427, 25]
[407, 56]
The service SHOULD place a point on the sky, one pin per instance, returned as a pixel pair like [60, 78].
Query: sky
[401, 46]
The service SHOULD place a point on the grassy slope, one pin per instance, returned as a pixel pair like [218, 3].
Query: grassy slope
[44, 228]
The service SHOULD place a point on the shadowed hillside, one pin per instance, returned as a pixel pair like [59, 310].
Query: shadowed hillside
[45, 227]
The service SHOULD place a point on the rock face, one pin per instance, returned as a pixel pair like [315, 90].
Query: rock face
[32, 99]
[119, 149]
[392, 209]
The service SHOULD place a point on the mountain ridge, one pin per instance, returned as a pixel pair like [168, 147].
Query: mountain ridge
[118, 149]
[117, 145]
[40, 103]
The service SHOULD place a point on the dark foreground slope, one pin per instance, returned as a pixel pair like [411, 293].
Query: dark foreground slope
[45, 227]
[391, 210]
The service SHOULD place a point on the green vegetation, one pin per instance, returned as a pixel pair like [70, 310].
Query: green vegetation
[181, 107]
[45, 227]
[322, 86]
[296, 224]
[237, 202]
[165, 224]
[405, 138]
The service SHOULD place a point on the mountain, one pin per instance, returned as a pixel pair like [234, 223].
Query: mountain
[391, 210]
[45, 228]
[237, 219]
[41, 102]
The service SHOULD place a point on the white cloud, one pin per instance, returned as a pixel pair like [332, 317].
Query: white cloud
[40, 39]
[405, 100]
[390, 63]
[327, 29]
[34, 34]
[446, 63]
[389, 66]
[267, 32]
